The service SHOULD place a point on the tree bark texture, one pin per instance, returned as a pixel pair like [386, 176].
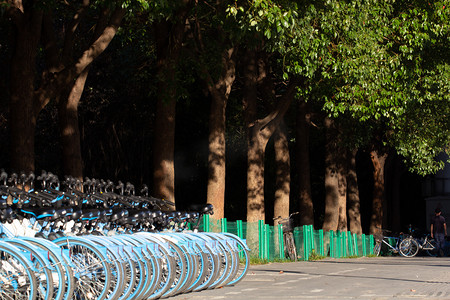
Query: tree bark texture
[331, 218]
[259, 132]
[58, 77]
[169, 38]
[283, 172]
[305, 202]
[353, 200]
[69, 129]
[378, 160]
[342, 186]
[23, 113]
[220, 92]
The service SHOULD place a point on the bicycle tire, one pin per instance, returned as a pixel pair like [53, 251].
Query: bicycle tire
[16, 275]
[97, 278]
[60, 264]
[431, 252]
[117, 279]
[149, 267]
[377, 248]
[289, 246]
[408, 247]
[228, 260]
[43, 274]
[244, 258]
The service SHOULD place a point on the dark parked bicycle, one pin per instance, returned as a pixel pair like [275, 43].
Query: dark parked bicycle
[290, 251]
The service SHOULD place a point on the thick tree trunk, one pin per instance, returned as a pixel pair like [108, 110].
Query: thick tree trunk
[69, 129]
[255, 157]
[27, 100]
[283, 172]
[353, 201]
[396, 209]
[169, 38]
[342, 187]
[163, 146]
[23, 112]
[216, 157]
[303, 167]
[378, 161]
[259, 132]
[331, 218]
[220, 92]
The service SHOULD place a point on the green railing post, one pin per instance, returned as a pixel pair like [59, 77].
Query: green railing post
[344, 244]
[321, 243]
[240, 231]
[351, 251]
[206, 223]
[223, 225]
[311, 238]
[363, 244]
[355, 244]
[280, 241]
[267, 241]
[306, 243]
[332, 245]
[371, 244]
[339, 244]
[261, 238]
[240, 234]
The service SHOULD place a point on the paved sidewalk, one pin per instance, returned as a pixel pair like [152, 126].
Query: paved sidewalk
[356, 278]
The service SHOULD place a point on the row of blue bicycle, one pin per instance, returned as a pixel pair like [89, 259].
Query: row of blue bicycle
[99, 240]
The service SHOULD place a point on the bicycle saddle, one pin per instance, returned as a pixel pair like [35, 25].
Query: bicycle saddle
[63, 212]
[39, 212]
[202, 208]
[118, 214]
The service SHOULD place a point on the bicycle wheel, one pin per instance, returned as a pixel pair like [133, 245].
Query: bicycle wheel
[430, 248]
[289, 246]
[244, 258]
[17, 280]
[64, 286]
[116, 263]
[377, 248]
[408, 247]
[91, 268]
[147, 266]
[43, 274]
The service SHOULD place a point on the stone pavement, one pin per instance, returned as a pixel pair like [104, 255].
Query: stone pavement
[356, 278]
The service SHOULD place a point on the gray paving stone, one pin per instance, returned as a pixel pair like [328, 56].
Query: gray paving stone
[356, 278]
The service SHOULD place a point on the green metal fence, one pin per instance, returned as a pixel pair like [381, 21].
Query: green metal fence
[268, 241]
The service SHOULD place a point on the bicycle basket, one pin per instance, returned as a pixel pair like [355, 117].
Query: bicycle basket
[287, 225]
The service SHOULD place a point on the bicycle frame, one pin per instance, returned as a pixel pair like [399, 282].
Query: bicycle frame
[392, 248]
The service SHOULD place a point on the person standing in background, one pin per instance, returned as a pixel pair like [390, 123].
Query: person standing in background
[438, 231]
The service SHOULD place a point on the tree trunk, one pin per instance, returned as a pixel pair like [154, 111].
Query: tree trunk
[259, 132]
[69, 129]
[378, 161]
[283, 172]
[306, 208]
[396, 209]
[331, 218]
[216, 156]
[60, 74]
[342, 186]
[220, 92]
[353, 201]
[23, 113]
[169, 38]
